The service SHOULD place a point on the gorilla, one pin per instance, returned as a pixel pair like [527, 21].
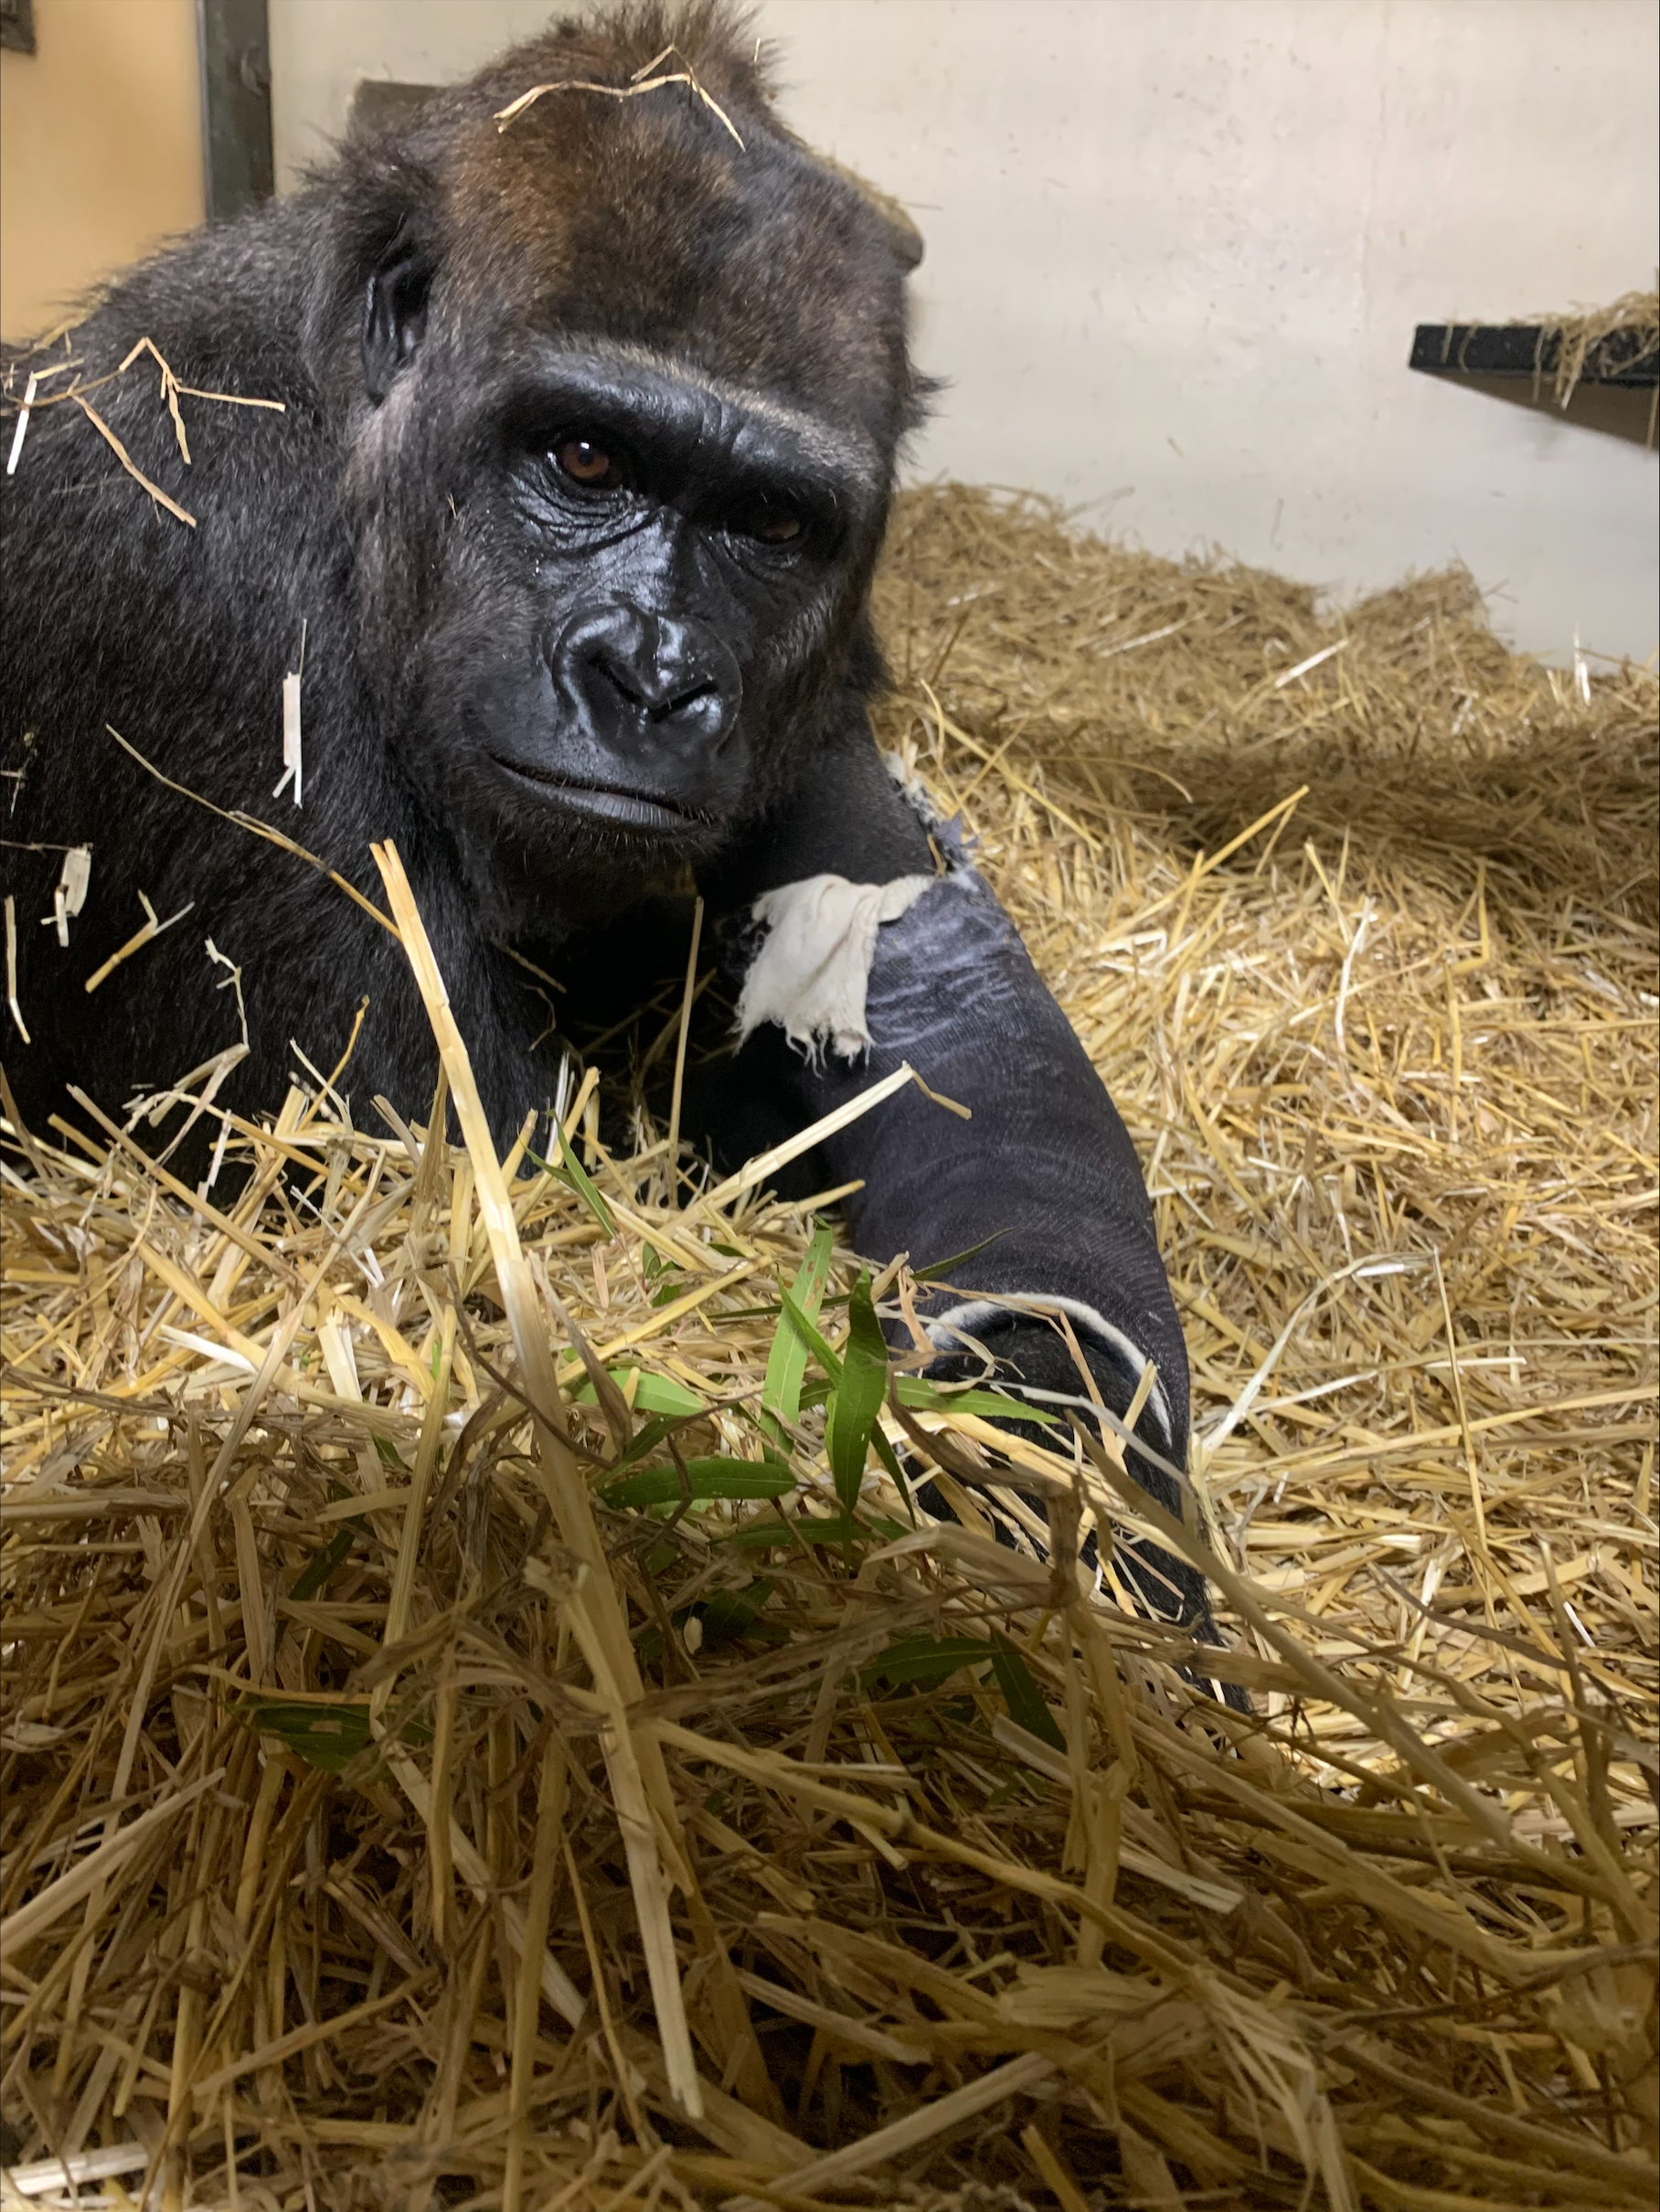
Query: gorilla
[579, 392]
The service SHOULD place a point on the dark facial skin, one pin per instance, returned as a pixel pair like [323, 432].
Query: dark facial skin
[671, 555]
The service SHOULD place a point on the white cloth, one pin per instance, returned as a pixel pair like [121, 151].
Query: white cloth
[811, 973]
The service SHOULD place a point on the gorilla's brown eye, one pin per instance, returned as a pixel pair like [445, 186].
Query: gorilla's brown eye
[589, 464]
[774, 525]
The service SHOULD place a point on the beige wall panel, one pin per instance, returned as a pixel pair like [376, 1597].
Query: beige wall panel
[100, 149]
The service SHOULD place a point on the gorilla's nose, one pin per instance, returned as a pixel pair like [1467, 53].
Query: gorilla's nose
[648, 678]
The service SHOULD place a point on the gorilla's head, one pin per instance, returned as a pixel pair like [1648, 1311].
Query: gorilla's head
[622, 378]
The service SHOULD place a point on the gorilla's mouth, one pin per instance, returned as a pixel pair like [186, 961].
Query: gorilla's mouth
[618, 804]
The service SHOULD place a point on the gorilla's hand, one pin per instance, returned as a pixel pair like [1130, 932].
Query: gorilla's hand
[1030, 1359]
[872, 941]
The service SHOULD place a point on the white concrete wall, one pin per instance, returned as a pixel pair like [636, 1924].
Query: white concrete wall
[1175, 251]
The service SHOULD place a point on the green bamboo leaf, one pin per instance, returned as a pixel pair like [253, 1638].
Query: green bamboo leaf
[705, 1478]
[326, 1735]
[811, 1339]
[653, 1394]
[926, 1660]
[565, 1167]
[859, 1393]
[312, 1577]
[1028, 1706]
[834, 1528]
[895, 1472]
[787, 1361]
[733, 1612]
[646, 1439]
[725, 1617]
[657, 1394]
[919, 1395]
[937, 1268]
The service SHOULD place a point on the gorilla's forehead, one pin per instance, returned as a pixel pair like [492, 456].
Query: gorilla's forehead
[645, 230]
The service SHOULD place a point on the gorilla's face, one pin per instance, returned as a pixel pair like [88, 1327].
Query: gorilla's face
[624, 507]
[668, 571]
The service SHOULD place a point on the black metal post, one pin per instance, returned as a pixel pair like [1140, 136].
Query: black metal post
[236, 105]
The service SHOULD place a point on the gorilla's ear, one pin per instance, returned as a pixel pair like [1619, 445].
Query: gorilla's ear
[903, 236]
[395, 313]
[904, 239]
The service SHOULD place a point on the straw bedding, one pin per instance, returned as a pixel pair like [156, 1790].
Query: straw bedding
[1633, 319]
[398, 1812]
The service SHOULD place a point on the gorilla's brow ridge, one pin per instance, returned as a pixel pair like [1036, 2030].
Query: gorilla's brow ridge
[847, 452]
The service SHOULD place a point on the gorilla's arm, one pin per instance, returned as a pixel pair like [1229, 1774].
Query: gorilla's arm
[1044, 1169]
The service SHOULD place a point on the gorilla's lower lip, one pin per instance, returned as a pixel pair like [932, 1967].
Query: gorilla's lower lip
[615, 802]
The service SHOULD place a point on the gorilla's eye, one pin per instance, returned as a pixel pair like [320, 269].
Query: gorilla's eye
[772, 526]
[589, 464]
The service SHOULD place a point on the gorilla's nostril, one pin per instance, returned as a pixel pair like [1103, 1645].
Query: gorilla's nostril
[634, 674]
[659, 694]
[698, 690]
[620, 676]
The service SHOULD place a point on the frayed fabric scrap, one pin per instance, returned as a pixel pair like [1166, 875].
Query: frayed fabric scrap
[813, 970]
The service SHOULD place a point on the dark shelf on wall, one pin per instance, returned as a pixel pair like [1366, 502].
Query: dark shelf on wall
[1616, 391]
[1625, 357]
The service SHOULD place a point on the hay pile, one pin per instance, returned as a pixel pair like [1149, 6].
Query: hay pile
[398, 1806]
